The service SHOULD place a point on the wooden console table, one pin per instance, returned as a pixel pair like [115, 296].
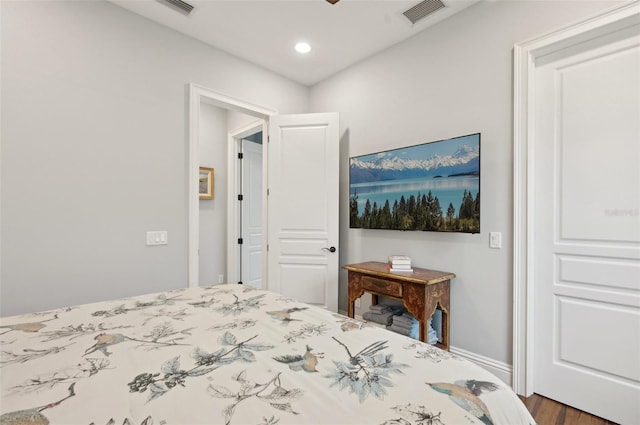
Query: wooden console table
[421, 292]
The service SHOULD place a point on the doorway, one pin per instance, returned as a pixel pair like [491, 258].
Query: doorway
[197, 96]
[300, 163]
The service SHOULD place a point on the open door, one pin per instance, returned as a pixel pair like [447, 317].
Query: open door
[252, 214]
[302, 203]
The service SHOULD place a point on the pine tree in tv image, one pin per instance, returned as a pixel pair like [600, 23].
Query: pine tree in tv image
[431, 187]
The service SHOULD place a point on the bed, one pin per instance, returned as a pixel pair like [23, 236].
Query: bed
[230, 354]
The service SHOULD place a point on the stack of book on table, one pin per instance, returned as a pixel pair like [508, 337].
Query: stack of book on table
[400, 263]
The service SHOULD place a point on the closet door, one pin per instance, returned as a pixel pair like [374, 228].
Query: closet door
[587, 238]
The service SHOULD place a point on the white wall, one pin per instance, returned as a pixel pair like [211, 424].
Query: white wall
[94, 148]
[452, 79]
[213, 212]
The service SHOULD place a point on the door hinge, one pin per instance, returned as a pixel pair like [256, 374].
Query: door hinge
[267, 192]
[239, 241]
[240, 155]
[267, 247]
[240, 197]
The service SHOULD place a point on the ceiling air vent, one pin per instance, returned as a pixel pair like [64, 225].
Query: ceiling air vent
[422, 9]
[178, 5]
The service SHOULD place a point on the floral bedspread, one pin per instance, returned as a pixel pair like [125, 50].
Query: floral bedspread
[230, 354]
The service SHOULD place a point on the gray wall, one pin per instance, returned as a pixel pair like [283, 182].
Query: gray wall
[452, 79]
[94, 148]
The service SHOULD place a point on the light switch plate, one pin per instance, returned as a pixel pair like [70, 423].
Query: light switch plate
[495, 240]
[157, 237]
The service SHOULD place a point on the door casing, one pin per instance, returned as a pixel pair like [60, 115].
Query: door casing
[526, 56]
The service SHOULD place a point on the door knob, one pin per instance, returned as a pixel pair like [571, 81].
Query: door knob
[330, 249]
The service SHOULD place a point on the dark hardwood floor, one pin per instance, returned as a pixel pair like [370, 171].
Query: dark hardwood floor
[549, 412]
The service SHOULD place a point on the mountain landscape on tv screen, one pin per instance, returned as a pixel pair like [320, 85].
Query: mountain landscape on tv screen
[433, 186]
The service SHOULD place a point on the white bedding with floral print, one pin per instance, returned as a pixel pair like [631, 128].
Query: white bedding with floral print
[229, 354]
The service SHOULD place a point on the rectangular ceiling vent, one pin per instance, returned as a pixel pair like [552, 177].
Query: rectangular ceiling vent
[178, 5]
[423, 9]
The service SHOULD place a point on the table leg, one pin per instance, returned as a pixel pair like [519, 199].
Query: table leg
[355, 291]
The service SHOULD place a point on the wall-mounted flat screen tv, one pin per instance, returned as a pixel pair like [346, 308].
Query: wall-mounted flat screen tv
[431, 187]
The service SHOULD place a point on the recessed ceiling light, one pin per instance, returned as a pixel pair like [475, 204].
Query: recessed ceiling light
[303, 47]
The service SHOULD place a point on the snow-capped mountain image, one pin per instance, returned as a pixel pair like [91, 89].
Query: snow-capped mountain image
[448, 158]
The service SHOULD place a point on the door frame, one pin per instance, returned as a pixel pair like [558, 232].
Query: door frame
[526, 55]
[233, 206]
[196, 95]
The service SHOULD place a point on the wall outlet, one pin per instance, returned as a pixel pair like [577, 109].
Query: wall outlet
[357, 303]
[220, 278]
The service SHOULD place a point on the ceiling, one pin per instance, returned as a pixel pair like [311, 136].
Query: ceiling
[265, 31]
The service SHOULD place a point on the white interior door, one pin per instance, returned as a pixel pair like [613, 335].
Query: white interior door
[586, 248]
[303, 177]
[251, 205]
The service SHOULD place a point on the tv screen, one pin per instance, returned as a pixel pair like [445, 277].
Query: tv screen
[431, 187]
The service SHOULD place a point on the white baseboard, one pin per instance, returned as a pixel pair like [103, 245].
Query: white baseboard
[501, 370]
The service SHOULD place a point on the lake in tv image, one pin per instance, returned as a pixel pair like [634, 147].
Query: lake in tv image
[432, 187]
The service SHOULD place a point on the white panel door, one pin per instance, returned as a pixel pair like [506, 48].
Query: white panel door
[303, 155]
[586, 263]
[252, 232]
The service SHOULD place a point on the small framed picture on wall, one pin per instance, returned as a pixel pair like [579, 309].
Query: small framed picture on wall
[205, 186]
